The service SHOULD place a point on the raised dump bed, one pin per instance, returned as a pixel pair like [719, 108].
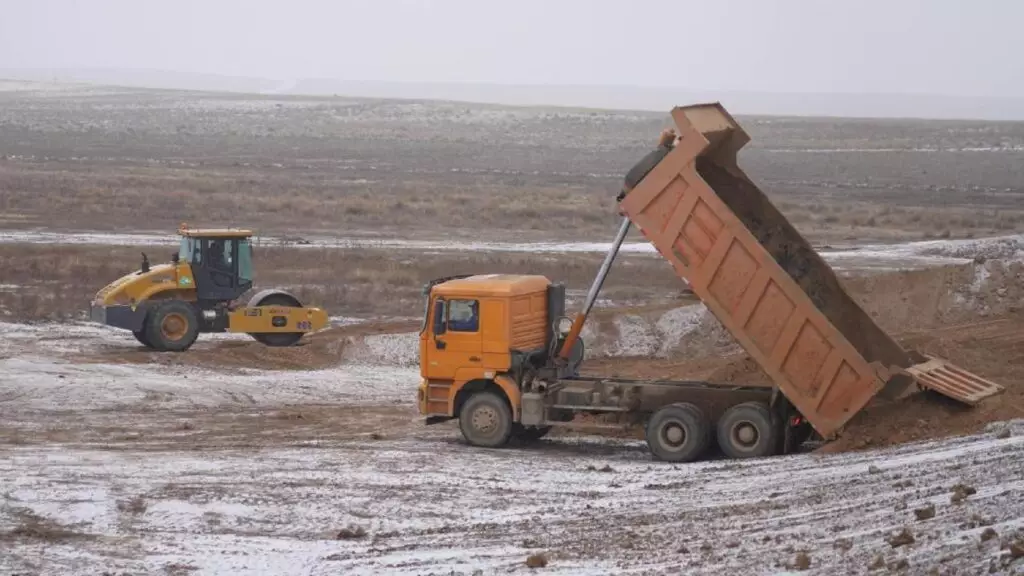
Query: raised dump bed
[765, 283]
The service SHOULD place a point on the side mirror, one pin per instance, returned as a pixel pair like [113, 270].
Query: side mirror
[440, 326]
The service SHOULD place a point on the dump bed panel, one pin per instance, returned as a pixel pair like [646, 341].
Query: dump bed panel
[756, 300]
[767, 285]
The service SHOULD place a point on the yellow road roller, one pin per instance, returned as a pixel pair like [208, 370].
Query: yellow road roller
[166, 306]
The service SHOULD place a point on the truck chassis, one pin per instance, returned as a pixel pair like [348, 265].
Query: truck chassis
[682, 420]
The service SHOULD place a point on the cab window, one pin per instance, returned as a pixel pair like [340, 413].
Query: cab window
[190, 250]
[245, 260]
[219, 254]
[463, 315]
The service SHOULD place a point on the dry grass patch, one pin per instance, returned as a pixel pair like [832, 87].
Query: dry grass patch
[56, 282]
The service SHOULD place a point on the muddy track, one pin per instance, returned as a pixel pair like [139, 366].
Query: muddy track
[432, 505]
[323, 349]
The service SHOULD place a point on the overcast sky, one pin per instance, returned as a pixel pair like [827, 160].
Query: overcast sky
[950, 47]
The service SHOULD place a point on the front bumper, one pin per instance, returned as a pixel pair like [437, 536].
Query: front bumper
[97, 314]
[118, 316]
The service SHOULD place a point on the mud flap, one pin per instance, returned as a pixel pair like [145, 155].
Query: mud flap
[952, 381]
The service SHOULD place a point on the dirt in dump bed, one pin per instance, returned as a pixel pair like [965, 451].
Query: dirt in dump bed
[796, 256]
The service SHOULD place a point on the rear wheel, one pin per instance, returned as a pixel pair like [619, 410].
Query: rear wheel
[747, 431]
[172, 326]
[677, 433]
[486, 420]
[278, 339]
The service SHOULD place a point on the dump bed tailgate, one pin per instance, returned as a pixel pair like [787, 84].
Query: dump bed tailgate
[764, 282]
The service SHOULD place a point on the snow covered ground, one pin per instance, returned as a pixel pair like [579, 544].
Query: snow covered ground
[426, 504]
[150, 468]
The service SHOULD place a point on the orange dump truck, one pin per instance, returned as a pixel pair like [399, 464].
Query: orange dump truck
[498, 354]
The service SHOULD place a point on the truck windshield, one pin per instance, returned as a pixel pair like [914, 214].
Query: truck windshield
[244, 260]
[426, 310]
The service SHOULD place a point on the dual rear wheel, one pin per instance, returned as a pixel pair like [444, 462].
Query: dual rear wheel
[682, 433]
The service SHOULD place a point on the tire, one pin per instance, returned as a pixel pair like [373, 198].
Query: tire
[678, 433]
[172, 326]
[748, 431]
[486, 420]
[141, 337]
[531, 434]
[278, 339]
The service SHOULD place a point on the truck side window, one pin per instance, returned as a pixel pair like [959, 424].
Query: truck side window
[463, 315]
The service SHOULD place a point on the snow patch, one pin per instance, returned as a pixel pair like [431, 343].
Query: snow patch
[909, 255]
[675, 324]
[636, 337]
[385, 350]
[38, 383]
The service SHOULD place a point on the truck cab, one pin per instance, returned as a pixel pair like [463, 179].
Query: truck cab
[480, 333]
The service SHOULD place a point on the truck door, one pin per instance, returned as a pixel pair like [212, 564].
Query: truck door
[455, 349]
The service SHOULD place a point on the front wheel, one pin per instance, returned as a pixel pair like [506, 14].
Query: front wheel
[486, 420]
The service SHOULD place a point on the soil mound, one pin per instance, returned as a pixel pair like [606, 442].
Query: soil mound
[993, 349]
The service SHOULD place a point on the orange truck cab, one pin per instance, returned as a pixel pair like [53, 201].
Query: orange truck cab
[480, 334]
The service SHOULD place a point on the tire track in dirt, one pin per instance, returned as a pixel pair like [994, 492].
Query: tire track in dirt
[420, 505]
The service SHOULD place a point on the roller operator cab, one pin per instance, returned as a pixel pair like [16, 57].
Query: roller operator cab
[166, 306]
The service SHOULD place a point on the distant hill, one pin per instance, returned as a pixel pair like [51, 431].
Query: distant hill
[663, 98]
[144, 79]
[608, 97]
